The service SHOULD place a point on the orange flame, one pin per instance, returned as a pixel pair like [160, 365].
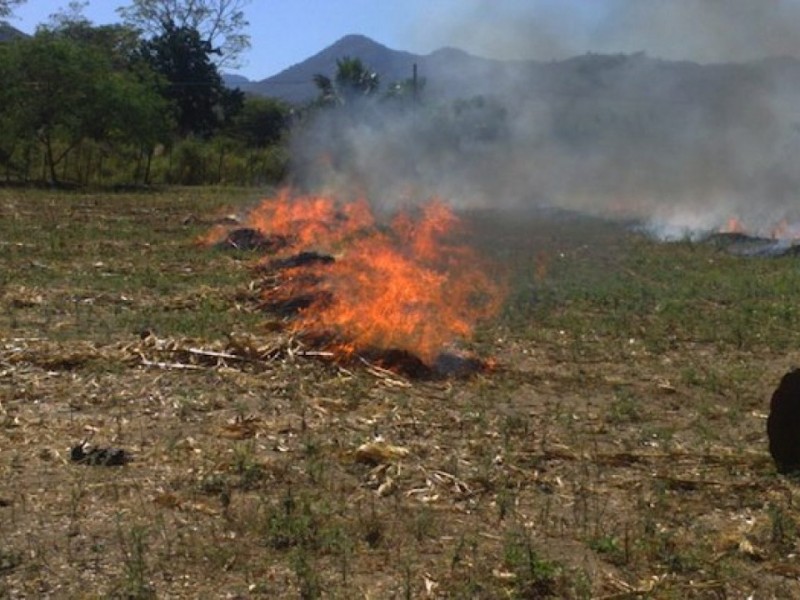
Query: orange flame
[733, 225]
[309, 221]
[782, 230]
[785, 230]
[405, 289]
[408, 286]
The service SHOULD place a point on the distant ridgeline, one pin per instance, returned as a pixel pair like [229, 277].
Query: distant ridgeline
[623, 80]
[602, 127]
[7, 32]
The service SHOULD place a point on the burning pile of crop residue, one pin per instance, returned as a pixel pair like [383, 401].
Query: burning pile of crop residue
[734, 236]
[403, 293]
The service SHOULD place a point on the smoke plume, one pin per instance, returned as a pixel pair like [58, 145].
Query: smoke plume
[681, 113]
[704, 31]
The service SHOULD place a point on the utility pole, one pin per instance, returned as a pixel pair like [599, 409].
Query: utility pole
[414, 84]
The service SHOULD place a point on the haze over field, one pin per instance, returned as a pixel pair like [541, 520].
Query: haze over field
[286, 33]
[697, 30]
[682, 145]
[700, 128]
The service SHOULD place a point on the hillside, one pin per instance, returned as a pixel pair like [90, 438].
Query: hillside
[450, 73]
[7, 32]
[295, 84]
[676, 139]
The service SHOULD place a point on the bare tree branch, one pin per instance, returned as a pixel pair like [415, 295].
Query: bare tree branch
[219, 22]
[7, 7]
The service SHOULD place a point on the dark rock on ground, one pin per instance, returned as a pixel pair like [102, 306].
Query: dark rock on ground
[783, 423]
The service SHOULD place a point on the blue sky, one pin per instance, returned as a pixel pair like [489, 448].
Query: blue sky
[285, 32]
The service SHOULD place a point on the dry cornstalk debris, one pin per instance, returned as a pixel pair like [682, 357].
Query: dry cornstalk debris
[389, 377]
[239, 351]
[626, 590]
[240, 427]
[171, 500]
[166, 365]
[48, 354]
[237, 348]
[379, 451]
[438, 479]
[22, 297]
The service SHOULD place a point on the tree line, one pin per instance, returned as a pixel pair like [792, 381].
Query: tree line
[134, 103]
[143, 102]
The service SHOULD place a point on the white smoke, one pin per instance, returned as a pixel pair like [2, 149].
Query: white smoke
[683, 146]
[703, 31]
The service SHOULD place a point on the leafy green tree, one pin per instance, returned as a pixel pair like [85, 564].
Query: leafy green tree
[405, 91]
[121, 42]
[10, 140]
[51, 96]
[59, 93]
[68, 15]
[143, 119]
[354, 79]
[136, 116]
[261, 123]
[7, 7]
[352, 82]
[193, 83]
[219, 23]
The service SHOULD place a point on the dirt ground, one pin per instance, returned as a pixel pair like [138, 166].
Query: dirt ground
[617, 449]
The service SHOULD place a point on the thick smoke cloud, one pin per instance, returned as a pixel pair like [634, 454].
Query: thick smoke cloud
[704, 31]
[678, 144]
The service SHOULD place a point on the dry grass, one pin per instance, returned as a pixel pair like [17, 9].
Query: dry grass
[618, 452]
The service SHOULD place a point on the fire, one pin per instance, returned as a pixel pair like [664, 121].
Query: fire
[783, 230]
[733, 225]
[309, 220]
[405, 289]
[786, 231]
[409, 285]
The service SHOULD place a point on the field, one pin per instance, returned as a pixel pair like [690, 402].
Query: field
[617, 450]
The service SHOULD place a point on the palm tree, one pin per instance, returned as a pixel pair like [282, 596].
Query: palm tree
[353, 80]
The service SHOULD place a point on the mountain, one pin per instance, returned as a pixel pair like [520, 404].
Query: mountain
[624, 133]
[232, 80]
[8, 33]
[296, 84]
[584, 94]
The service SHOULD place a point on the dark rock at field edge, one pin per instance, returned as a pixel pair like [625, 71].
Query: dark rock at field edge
[783, 423]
